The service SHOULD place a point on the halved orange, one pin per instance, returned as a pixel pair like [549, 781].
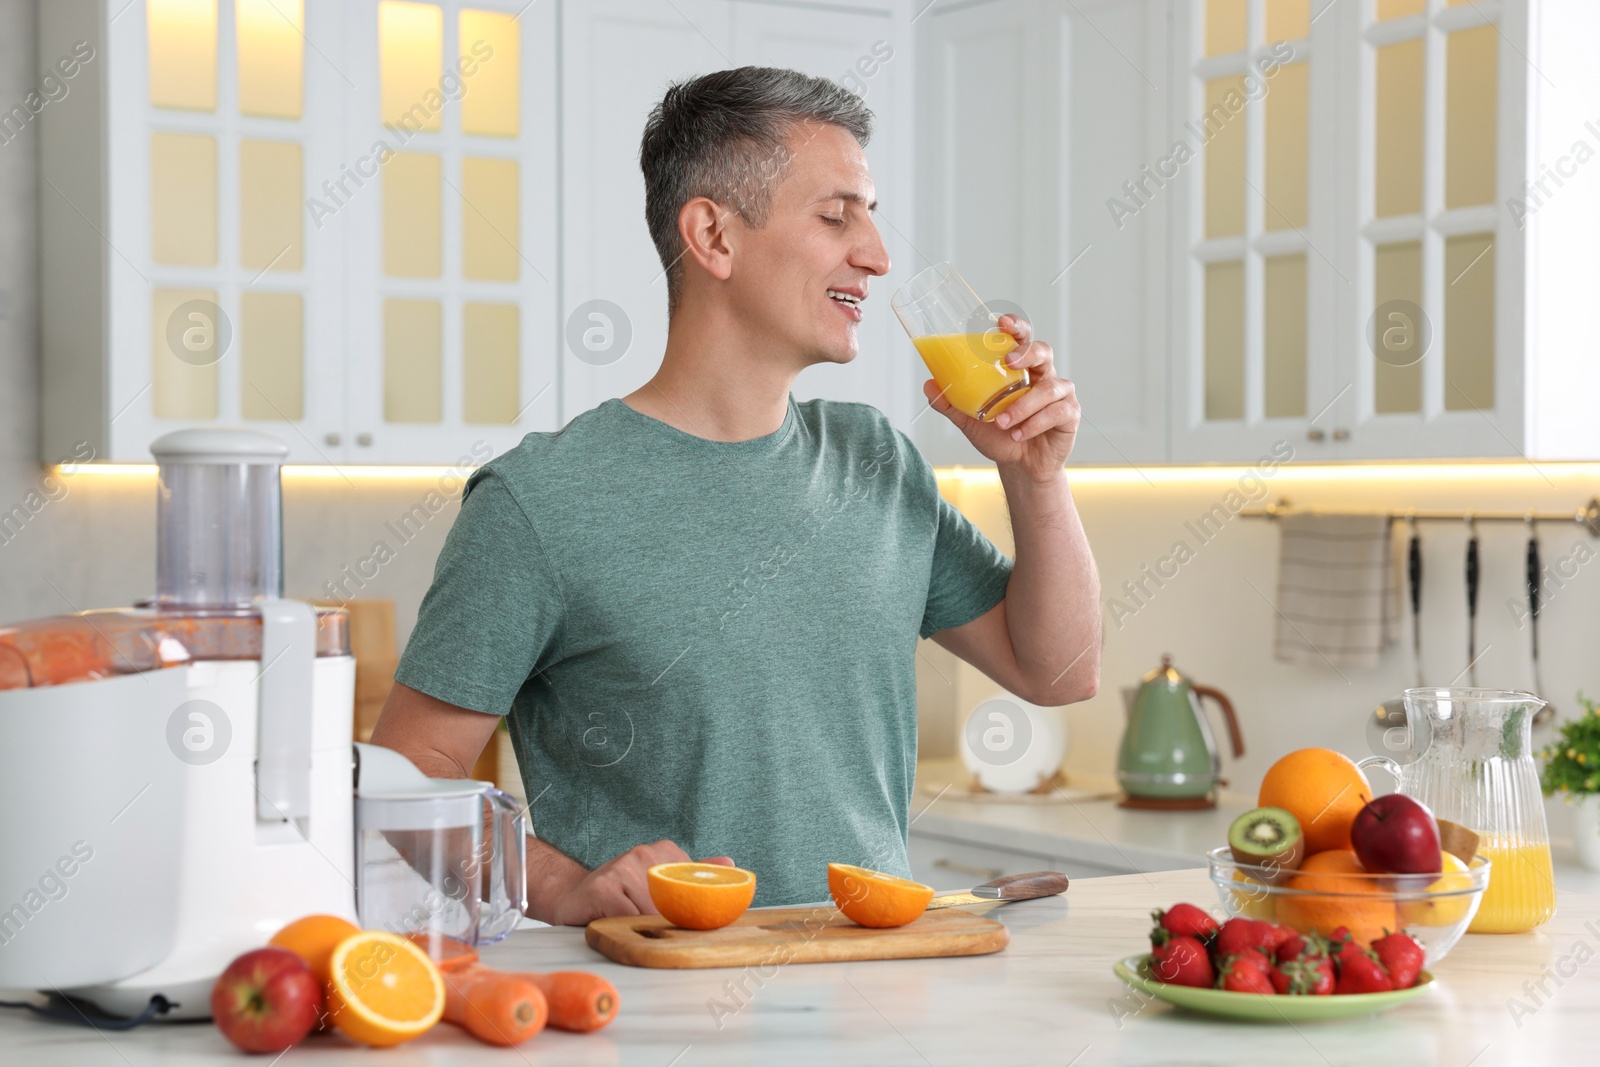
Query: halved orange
[313, 938]
[700, 896]
[383, 989]
[872, 898]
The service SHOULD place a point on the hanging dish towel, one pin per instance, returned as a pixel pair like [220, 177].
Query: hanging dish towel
[1338, 589]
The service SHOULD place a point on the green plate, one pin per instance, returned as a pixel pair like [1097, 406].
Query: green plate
[1256, 1007]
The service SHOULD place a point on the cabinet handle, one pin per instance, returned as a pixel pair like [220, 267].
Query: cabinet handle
[1341, 434]
[1315, 434]
[985, 874]
[331, 440]
[364, 439]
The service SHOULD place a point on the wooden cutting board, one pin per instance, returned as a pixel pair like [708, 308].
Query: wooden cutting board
[768, 936]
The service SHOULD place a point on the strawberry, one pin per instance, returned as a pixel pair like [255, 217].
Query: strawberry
[1360, 972]
[1401, 956]
[1239, 935]
[1304, 976]
[1301, 946]
[1181, 920]
[1183, 961]
[1248, 973]
[1277, 937]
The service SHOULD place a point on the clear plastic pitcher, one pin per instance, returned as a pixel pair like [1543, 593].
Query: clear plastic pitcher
[441, 860]
[1468, 755]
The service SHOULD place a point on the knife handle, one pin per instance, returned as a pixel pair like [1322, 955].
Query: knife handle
[1023, 886]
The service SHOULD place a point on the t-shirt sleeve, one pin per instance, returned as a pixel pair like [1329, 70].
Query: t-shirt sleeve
[493, 611]
[969, 573]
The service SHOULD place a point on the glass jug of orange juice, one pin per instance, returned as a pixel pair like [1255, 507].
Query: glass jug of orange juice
[1468, 755]
[960, 340]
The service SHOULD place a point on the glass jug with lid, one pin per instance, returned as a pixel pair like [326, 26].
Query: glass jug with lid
[440, 860]
[1468, 755]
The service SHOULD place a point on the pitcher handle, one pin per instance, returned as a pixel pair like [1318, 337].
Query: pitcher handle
[506, 894]
[1223, 702]
[1385, 762]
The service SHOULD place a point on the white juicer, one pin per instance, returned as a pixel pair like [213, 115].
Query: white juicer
[177, 777]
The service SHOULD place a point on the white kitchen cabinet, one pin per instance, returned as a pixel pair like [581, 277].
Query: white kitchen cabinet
[614, 297]
[1033, 116]
[219, 227]
[1385, 161]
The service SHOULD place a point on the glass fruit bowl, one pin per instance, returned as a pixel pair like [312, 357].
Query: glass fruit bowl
[1434, 909]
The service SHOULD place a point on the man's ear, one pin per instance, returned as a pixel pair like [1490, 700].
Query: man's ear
[703, 226]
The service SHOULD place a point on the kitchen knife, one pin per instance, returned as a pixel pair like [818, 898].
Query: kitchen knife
[1005, 890]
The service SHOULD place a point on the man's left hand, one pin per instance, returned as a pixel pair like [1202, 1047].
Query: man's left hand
[1036, 433]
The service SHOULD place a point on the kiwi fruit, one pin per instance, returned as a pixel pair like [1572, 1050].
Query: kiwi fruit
[1269, 838]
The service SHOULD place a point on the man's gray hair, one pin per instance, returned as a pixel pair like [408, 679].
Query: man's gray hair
[724, 136]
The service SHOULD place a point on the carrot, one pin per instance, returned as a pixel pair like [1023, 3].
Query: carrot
[494, 1006]
[578, 1000]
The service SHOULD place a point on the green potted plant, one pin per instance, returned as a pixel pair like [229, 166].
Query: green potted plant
[1572, 769]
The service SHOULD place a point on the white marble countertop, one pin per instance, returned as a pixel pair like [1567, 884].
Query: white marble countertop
[1050, 998]
[1089, 827]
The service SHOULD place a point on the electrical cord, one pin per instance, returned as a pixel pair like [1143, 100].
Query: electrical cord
[159, 1005]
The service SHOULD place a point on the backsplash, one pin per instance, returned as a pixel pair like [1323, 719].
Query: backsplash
[1215, 612]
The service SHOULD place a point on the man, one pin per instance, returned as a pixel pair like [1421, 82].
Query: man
[700, 603]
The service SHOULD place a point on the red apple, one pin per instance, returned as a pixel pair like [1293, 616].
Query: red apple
[266, 1000]
[1396, 835]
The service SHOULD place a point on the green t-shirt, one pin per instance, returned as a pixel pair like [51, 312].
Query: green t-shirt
[708, 642]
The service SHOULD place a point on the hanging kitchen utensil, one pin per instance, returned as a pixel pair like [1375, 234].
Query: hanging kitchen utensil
[1535, 573]
[1472, 601]
[1391, 714]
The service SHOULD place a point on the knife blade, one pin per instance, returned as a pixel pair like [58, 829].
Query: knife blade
[1012, 887]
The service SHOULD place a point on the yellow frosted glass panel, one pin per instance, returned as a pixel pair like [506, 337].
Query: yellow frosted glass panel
[271, 45]
[1397, 9]
[1224, 331]
[1469, 322]
[182, 53]
[410, 54]
[491, 65]
[1225, 26]
[183, 199]
[489, 219]
[180, 388]
[1397, 275]
[1224, 123]
[490, 366]
[270, 233]
[1288, 20]
[413, 361]
[1469, 117]
[411, 216]
[1284, 352]
[1398, 130]
[1287, 147]
[272, 356]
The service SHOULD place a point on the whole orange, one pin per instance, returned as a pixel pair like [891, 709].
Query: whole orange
[1337, 892]
[1322, 789]
[313, 939]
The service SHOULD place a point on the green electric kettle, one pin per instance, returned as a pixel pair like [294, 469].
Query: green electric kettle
[1168, 759]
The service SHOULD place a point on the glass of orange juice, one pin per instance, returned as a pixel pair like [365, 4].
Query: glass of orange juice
[960, 340]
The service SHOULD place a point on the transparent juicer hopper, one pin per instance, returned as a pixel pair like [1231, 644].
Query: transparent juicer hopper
[219, 519]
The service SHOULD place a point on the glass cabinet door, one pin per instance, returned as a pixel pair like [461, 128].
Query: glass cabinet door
[1253, 242]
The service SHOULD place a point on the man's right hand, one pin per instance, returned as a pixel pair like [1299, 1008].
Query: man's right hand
[616, 887]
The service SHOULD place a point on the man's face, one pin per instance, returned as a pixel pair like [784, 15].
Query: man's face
[819, 237]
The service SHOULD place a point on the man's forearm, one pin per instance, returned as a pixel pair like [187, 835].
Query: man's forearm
[551, 875]
[1053, 599]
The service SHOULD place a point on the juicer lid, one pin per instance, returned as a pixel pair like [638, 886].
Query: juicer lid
[219, 444]
[384, 774]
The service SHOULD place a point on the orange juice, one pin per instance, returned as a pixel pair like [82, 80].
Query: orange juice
[1521, 892]
[970, 369]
